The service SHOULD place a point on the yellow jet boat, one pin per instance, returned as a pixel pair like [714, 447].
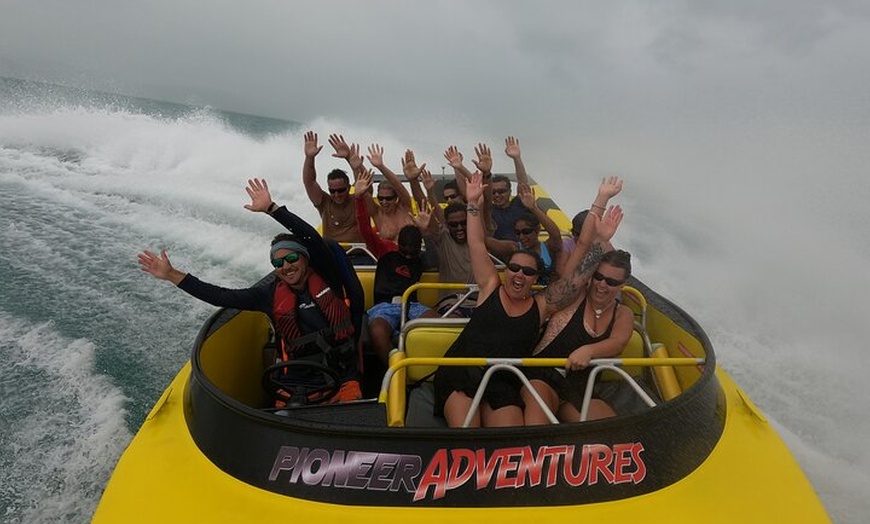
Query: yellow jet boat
[688, 444]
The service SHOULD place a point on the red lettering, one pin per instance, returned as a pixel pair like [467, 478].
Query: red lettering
[553, 452]
[575, 479]
[457, 476]
[485, 468]
[640, 472]
[530, 467]
[600, 459]
[510, 458]
[434, 476]
[621, 459]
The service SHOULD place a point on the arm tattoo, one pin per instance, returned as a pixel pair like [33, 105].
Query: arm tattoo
[590, 262]
[561, 294]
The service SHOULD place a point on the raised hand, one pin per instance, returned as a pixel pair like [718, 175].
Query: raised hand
[363, 183]
[409, 166]
[426, 178]
[527, 195]
[376, 155]
[484, 158]
[474, 188]
[311, 147]
[609, 223]
[610, 187]
[355, 160]
[261, 199]
[158, 266]
[338, 143]
[424, 216]
[453, 157]
[512, 147]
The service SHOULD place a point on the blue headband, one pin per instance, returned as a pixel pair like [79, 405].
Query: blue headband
[289, 244]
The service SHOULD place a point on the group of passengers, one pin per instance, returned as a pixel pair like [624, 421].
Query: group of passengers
[316, 302]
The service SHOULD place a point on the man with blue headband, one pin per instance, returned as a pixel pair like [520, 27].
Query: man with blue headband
[304, 297]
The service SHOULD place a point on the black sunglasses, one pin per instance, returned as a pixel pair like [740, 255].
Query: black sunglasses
[524, 231]
[387, 198]
[501, 191]
[334, 190]
[289, 258]
[527, 270]
[456, 224]
[451, 196]
[612, 282]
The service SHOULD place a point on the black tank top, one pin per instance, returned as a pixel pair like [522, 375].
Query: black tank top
[574, 335]
[492, 333]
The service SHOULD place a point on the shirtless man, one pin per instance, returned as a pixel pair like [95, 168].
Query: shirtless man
[392, 211]
[336, 207]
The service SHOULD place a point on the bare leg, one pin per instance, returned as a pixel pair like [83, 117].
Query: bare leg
[501, 417]
[533, 415]
[381, 333]
[456, 409]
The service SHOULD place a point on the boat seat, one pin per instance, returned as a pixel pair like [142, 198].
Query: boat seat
[428, 337]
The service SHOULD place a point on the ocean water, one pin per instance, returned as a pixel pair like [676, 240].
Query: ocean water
[88, 341]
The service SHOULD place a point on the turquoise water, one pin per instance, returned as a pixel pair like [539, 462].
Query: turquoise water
[89, 342]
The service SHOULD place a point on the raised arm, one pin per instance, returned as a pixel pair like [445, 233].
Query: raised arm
[609, 188]
[412, 174]
[527, 197]
[322, 259]
[429, 184]
[376, 158]
[485, 273]
[484, 165]
[256, 298]
[309, 174]
[348, 152]
[375, 243]
[463, 175]
[561, 293]
[512, 149]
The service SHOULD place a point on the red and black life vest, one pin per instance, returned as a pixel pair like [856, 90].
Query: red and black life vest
[335, 340]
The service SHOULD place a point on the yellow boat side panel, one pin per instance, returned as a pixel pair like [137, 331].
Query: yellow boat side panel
[235, 371]
[163, 462]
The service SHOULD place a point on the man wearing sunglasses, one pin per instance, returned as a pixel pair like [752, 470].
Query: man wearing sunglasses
[335, 206]
[399, 267]
[447, 233]
[506, 210]
[304, 297]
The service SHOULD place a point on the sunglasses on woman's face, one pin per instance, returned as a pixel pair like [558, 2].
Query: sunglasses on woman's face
[289, 258]
[527, 270]
[612, 282]
[524, 231]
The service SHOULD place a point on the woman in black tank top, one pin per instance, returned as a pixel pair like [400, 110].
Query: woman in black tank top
[507, 320]
[594, 326]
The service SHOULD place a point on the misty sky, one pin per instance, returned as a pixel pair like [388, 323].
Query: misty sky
[742, 126]
[736, 99]
[542, 66]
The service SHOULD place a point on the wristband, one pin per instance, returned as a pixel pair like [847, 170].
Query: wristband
[473, 210]
[272, 207]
